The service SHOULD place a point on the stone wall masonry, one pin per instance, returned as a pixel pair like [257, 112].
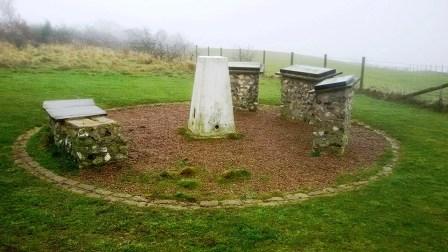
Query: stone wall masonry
[244, 90]
[296, 98]
[331, 115]
[89, 141]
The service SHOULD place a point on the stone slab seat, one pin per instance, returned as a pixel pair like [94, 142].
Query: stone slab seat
[308, 72]
[75, 108]
[243, 67]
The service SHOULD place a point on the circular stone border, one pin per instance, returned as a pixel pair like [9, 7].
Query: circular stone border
[22, 159]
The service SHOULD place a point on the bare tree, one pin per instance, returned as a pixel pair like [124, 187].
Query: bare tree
[12, 27]
[106, 34]
[160, 44]
[178, 46]
[8, 12]
[141, 40]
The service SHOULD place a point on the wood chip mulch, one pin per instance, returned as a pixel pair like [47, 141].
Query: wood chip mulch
[276, 152]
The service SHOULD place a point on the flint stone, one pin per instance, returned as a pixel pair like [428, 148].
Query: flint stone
[331, 114]
[244, 79]
[92, 141]
[297, 83]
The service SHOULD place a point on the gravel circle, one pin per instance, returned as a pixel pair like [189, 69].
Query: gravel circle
[276, 152]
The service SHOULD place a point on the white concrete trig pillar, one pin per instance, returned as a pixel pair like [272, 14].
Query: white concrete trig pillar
[211, 110]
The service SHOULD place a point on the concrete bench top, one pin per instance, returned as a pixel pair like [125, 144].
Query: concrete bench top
[245, 66]
[336, 82]
[76, 108]
[308, 71]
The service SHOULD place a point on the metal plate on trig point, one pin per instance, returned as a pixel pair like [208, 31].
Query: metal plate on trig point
[309, 71]
[65, 109]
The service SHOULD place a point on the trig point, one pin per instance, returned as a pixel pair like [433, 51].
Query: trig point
[211, 111]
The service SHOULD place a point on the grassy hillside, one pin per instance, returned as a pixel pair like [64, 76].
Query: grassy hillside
[405, 212]
[96, 59]
[86, 58]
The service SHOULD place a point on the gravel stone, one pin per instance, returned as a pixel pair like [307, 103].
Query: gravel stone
[122, 195]
[231, 202]
[69, 184]
[86, 187]
[102, 191]
[276, 199]
[211, 203]
[164, 202]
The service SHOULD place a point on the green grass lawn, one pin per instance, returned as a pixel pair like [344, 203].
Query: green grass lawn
[405, 212]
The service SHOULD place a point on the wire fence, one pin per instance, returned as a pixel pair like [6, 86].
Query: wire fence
[379, 75]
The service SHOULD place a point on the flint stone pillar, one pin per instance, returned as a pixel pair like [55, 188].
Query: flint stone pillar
[244, 78]
[297, 82]
[332, 114]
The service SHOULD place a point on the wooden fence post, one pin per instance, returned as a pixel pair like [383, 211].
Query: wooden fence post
[220, 51]
[264, 58]
[196, 53]
[208, 51]
[291, 61]
[363, 65]
[325, 60]
[264, 61]
[240, 54]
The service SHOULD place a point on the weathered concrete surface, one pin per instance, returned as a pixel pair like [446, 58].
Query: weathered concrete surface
[74, 108]
[211, 110]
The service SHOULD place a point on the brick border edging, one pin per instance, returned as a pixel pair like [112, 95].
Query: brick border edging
[22, 159]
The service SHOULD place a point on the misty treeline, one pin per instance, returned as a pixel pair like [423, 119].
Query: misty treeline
[17, 31]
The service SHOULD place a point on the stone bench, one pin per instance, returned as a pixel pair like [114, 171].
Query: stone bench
[81, 129]
[297, 82]
[331, 114]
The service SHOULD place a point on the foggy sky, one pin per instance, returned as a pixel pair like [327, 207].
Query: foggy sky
[400, 31]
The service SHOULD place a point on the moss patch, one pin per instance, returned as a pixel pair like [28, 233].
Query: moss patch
[189, 136]
[188, 183]
[236, 174]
